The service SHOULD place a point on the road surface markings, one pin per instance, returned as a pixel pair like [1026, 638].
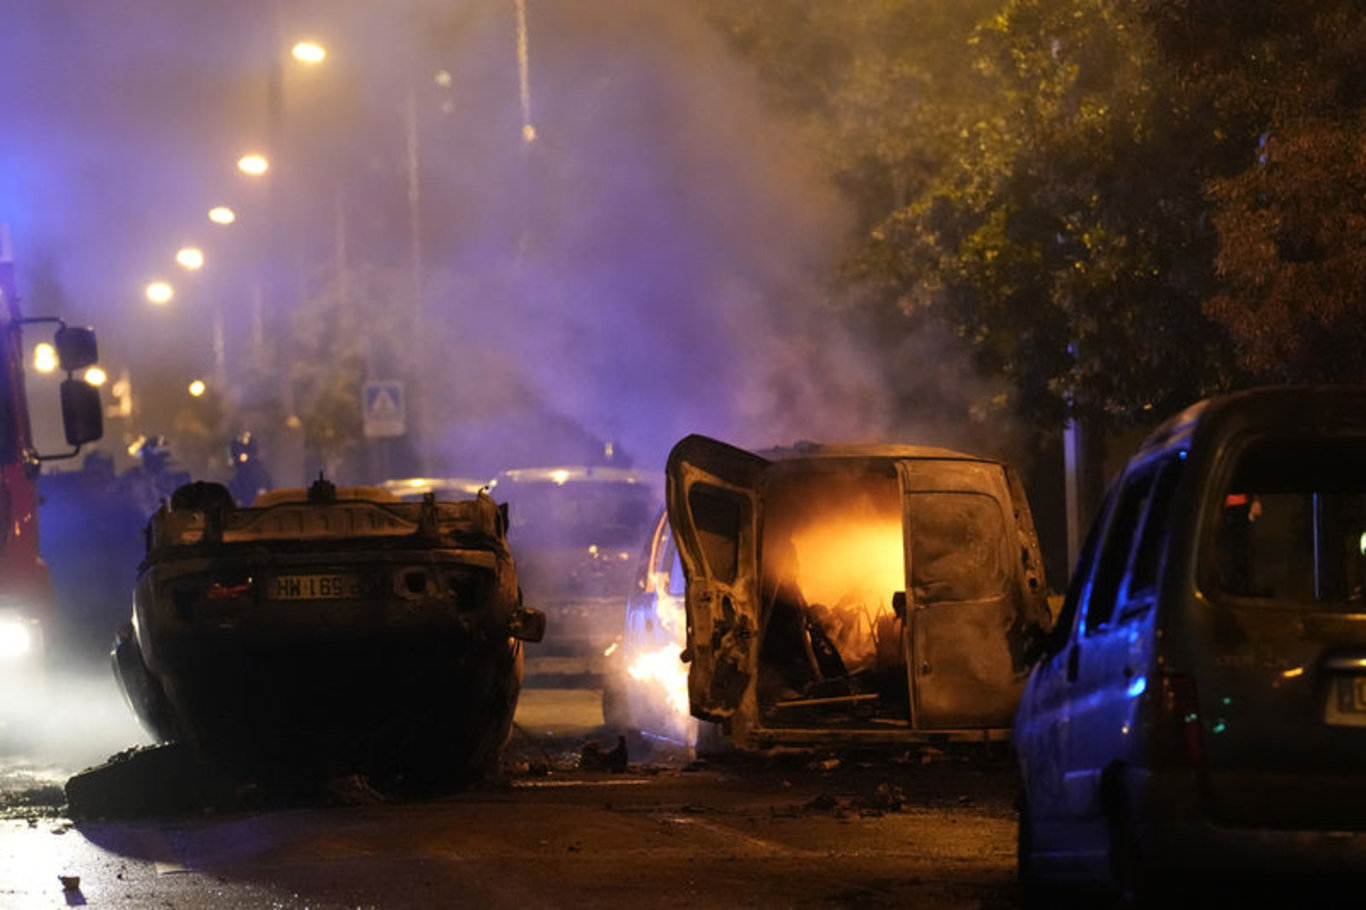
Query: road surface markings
[611, 782]
[764, 846]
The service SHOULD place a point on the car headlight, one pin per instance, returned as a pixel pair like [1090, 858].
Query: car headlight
[19, 636]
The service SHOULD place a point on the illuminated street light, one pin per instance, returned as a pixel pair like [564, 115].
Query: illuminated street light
[160, 292]
[44, 358]
[309, 52]
[253, 165]
[197, 388]
[221, 214]
[96, 377]
[190, 257]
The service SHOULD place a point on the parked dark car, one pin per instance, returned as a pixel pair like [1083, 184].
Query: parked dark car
[854, 594]
[1201, 710]
[331, 628]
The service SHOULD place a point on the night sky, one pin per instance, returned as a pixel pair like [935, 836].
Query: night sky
[650, 266]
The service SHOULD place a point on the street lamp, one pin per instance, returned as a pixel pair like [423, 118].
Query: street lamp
[221, 214]
[44, 358]
[309, 52]
[253, 165]
[160, 292]
[96, 377]
[197, 388]
[190, 257]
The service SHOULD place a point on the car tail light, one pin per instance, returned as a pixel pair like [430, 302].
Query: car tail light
[219, 592]
[1176, 731]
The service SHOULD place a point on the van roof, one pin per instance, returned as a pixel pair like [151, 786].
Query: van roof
[1304, 408]
[867, 450]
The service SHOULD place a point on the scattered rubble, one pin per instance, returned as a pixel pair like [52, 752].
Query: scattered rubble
[592, 756]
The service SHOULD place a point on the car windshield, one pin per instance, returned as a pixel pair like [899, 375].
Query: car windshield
[1292, 522]
[580, 514]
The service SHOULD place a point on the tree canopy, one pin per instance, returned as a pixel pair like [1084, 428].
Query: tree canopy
[1119, 206]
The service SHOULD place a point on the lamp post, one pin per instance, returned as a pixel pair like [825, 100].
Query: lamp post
[191, 259]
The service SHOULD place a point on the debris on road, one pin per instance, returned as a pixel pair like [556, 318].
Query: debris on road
[593, 757]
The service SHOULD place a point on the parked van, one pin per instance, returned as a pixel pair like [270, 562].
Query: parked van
[1201, 707]
[854, 593]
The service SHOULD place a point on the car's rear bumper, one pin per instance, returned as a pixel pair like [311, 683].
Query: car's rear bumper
[1179, 838]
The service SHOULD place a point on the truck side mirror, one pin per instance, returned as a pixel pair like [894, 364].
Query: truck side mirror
[82, 413]
[76, 348]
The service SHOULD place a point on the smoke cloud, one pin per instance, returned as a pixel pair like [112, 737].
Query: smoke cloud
[666, 239]
[652, 265]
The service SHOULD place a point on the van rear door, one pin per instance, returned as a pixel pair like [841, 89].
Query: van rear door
[714, 514]
[961, 594]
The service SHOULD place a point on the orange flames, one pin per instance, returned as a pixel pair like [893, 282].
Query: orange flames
[663, 673]
[663, 667]
[851, 566]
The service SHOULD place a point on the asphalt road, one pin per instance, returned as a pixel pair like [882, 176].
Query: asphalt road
[927, 829]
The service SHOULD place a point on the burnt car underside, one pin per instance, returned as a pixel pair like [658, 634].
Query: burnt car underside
[332, 631]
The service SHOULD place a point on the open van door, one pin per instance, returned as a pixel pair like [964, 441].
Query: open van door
[962, 599]
[714, 514]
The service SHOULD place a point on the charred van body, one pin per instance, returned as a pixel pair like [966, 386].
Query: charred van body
[329, 629]
[854, 594]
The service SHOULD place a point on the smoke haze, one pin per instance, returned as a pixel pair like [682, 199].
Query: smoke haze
[651, 265]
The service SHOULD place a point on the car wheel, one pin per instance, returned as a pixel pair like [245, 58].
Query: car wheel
[1128, 880]
[1036, 891]
[1033, 892]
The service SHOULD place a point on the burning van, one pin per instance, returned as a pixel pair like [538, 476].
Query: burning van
[336, 628]
[854, 593]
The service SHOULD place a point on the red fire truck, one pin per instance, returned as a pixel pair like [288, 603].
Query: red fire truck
[26, 603]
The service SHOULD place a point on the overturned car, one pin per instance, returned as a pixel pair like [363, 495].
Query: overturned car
[333, 629]
[853, 594]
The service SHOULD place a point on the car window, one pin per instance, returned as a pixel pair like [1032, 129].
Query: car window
[1115, 549]
[956, 546]
[660, 547]
[1291, 523]
[678, 584]
[1152, 542]
[717, 518]
[1086, 563]
[580, 514]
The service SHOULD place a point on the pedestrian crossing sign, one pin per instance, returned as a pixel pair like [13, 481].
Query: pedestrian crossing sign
[382, 408]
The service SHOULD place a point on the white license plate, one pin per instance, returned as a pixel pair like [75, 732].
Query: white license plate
[317, 587]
